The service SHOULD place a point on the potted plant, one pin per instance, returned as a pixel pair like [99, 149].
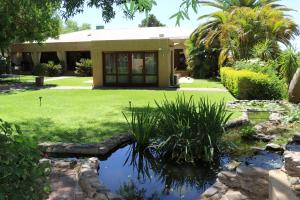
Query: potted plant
[40, 72]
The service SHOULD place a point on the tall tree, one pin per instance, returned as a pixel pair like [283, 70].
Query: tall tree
[151, 21]
[27, 20]
[241, 24]
[72, 26]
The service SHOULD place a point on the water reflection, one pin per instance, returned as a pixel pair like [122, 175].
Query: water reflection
[144, 174]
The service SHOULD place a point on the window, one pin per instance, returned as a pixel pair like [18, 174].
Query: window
[130, 68]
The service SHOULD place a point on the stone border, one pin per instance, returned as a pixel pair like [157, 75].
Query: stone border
[243, 120]
[102, 149]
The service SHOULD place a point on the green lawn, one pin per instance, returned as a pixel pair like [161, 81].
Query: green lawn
[73, 81]
[80, 115]
[202, 83]
[21, 78]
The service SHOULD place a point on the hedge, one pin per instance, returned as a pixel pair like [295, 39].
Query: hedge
[245, 84]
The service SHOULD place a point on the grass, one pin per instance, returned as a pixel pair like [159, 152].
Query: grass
[202, 83]
[73, 81]
[80, 115]
[21, 78]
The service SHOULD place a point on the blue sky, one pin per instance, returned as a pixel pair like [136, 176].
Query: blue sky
[163, 11]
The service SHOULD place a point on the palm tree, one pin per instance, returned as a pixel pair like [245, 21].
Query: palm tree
[228, 5]
[239, 29]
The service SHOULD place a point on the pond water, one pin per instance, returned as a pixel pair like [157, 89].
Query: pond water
[264, 159]
[146, 177]
[257, 117]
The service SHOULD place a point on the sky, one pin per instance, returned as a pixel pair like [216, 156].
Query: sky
[163, 10]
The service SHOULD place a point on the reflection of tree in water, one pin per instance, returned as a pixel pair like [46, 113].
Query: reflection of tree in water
[172, 175]
[130, 191]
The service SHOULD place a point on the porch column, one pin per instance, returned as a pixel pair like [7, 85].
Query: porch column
[36, 57]
[62, 58]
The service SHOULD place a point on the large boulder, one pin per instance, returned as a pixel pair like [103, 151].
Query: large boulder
[294, 89]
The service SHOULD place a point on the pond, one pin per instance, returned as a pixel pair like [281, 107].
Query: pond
[145, 177]
[257, 117]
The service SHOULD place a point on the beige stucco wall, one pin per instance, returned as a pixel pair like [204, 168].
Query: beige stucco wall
[97, 48]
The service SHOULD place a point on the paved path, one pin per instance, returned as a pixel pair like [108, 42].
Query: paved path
[203, 89]
[57, 78]
[179, 89]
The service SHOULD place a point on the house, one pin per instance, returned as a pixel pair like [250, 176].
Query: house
[121, 57]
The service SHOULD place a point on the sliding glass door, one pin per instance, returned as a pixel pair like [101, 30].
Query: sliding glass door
[130, 69]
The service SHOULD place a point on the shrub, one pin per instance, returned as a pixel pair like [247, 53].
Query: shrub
[257, 65]
[48, 69]
[248, 131]
[182, 130]
[19, 170]
[53, 69]
[288, 63]
[245, 84]
[84, 67]
[40, 69]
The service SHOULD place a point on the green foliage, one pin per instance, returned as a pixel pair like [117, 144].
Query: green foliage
[247, 131]
[266, 50]
[189, 130]
[151, 21]
[288, 63]
[142, 125]
[40, 69]
[70, 26]
[84, 67]
[240, 29]
[257, 65]
[28, 20]
[245, 84]
[53, 69]
[201, 61]
[48, 69]
[183, 130]
[19, 169]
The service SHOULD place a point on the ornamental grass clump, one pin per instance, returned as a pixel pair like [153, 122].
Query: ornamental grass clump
[184, 130]
[142, 124]
[190, 131]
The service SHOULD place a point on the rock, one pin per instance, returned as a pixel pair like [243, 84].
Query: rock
[292, 163]
[274, 147]
[229, 179]
[263, 137]
[44, 162]
[100, 149]
[294, 181]
[275, 117]
[215, 192]
[234, 195]
[294, 91]
[257, 150]
[269, 128]
[296, 137]
[237, 122]
[232, 165]
[254, 180]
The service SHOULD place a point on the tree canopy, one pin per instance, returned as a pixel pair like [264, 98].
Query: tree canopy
[240, 25]
[72, 26]
[27, 20]
[151, 21]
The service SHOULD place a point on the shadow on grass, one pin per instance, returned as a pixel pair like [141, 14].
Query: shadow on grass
[47, 130]
[14, 88]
